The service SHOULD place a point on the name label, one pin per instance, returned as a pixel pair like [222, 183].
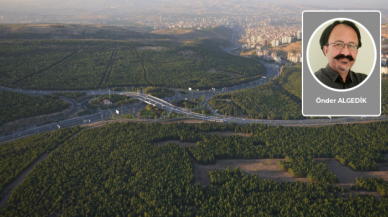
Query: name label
[341, 100]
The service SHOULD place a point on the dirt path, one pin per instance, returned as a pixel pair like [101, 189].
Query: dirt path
[10, 187]
[348, 176]
[264, 168]
[19, 180]
[110, 68]
[268, 169]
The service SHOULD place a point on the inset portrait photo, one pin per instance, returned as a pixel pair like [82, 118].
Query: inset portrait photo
[341, 65]
[341, 54]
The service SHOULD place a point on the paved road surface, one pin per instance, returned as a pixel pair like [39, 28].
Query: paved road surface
[272, 70]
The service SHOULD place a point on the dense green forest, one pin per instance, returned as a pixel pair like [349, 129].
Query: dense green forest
[18, 105]
[117, 32]
[159, 92]
[291, 80]
[83, 70]
[301, 165]
[372, 184]
[384, 97]
[72, 31]
[358, 146]
[118, 170]
[188, 67]
[20, 59]
[88, 64]
[128, 69]
[18, 155]
[278, 99]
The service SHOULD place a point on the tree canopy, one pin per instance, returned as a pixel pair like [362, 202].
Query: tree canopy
[118, 170]
[19, 105]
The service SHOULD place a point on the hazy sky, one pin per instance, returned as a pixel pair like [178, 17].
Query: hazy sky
[95, 5]
[334, 3]
[329, 3]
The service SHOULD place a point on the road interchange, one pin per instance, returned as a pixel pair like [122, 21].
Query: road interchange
[101, 115]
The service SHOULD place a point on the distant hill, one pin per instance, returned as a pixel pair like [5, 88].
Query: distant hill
[91, 64]
[77, 31]
[74, 31]
[69, 56]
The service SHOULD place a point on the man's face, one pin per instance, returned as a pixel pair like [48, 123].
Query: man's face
[345, 34]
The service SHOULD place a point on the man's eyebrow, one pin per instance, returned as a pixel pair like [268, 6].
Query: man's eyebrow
[344, 42]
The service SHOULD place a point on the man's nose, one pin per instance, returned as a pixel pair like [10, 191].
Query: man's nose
[345, 51]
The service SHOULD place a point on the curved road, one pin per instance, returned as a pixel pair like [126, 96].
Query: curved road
[166, 104]
[272, 70]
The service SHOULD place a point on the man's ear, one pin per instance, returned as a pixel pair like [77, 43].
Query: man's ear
[325, 48]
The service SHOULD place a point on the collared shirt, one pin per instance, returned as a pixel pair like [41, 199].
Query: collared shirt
[332, 79]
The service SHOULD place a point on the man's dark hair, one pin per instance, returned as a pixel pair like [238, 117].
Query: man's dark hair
[326, 33]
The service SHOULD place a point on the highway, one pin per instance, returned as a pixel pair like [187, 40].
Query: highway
[166, 104]
[102, 115]
[272, 71]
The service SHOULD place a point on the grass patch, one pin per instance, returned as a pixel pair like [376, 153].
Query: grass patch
[151, 112]
[158, 92]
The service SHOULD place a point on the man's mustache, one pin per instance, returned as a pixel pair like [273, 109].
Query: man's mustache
[341, 56]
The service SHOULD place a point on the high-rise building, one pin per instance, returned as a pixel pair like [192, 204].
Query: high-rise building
[286, 39]
[299, 35]
[264, 42]
[296, 58]
[259, 38]
[253, 39]
[275, 43]
[384, 70]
